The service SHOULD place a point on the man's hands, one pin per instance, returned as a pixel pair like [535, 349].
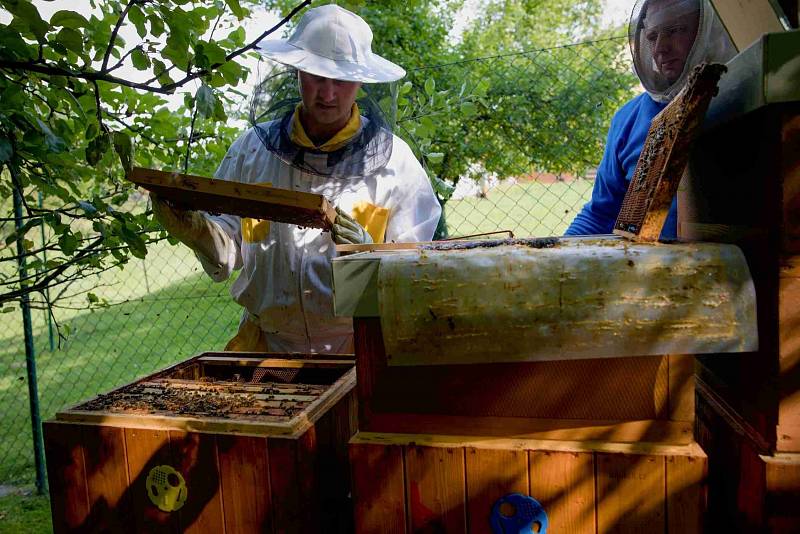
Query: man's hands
[186, 225]
[346, 231]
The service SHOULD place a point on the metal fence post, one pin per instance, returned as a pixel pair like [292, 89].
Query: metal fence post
[30, 357]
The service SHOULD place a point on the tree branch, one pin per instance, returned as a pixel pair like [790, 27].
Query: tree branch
[42, 67]
[45, 282]
[239, 52]
[113, 38]
[119, 63]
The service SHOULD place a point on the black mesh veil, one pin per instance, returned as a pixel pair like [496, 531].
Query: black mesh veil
[272, 108]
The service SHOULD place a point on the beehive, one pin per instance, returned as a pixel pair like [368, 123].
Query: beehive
[223, 442]
[539, 367]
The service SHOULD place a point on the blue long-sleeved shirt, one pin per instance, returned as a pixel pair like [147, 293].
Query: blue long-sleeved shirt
[626, 137]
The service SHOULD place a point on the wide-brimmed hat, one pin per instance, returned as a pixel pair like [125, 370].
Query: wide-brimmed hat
[334, 43]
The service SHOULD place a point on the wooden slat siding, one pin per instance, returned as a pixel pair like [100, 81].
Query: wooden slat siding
[435, 489]
[649, 431]
[293, 481]
[147, 449]
[622, 388]
[66, 476]
[783, 494]
[244, 477]
[370, 362]
[661, 390]
[788, 434]
[327, 494]
[107, 478]
[686, 493]
[338, 464]
[378, 488]
[630, 494]
[284, 484]
[564, 483]
[492, 474]
[751, 491]
[681, 387]
[195, 457]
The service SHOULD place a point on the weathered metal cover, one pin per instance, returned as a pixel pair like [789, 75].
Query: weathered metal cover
[569, 299]
[767, 72]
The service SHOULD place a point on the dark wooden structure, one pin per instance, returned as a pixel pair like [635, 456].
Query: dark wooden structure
[744, 188]
[247, 200]
[259, 441]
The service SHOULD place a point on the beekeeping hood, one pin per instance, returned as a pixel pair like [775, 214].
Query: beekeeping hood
[331, 42]
[667, 19]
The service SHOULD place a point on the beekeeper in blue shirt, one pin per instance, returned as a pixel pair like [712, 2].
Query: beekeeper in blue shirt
[332, 142]
[668, 38]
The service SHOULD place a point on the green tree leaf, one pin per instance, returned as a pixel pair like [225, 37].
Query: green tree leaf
[205, 101]
[92, 129]
[430, 86]
[71, 40]
[53, 142]
[237, 36]
[137, 17]
[123, 146]
[96, 149]
[236, 8]
[68, 243]
[68, 19]
[140, 59]
[29, 16]
[468, 109]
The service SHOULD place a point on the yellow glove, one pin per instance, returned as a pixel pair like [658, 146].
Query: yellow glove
[190, 227]
[346, 231]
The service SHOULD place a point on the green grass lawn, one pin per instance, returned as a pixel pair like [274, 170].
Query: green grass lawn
[24, 512]
[163, 310]
[528, 209]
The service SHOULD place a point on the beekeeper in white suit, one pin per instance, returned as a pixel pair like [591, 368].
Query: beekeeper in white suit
[324, 144]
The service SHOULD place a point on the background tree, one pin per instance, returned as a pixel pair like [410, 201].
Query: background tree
[68, 119]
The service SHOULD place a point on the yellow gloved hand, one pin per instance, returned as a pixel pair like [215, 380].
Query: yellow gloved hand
[188, 226]
[196, 231]
[346, 231]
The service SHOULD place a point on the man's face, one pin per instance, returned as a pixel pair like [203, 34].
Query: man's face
[327, 103]
[670, 37]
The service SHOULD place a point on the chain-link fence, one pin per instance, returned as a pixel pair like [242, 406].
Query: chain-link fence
[529, 155]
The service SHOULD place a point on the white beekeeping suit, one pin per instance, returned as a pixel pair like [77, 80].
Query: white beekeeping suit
[378, 186]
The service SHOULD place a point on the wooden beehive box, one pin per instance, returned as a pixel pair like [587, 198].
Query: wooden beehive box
[435, 483]
[258, 440]
[526, 403]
